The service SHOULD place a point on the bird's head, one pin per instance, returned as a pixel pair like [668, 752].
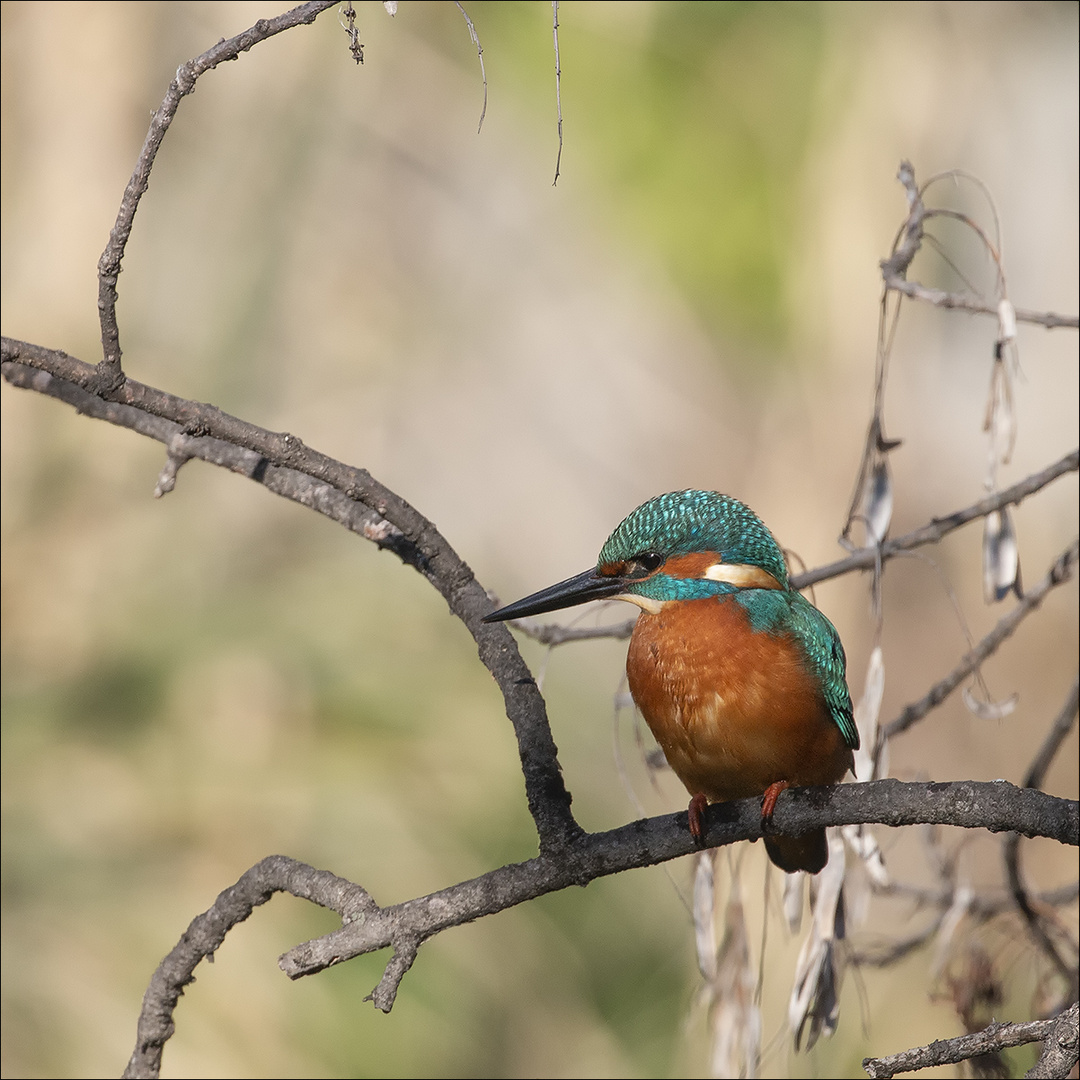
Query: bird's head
[685, 545]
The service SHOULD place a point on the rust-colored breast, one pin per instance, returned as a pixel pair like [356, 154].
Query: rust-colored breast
[734, 710]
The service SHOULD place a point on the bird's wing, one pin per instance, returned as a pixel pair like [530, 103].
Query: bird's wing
[783, 612]
[825, 652]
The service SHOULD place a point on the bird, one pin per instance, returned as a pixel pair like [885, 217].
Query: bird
[740, 678]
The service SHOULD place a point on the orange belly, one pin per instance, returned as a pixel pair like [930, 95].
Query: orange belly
[734, 710]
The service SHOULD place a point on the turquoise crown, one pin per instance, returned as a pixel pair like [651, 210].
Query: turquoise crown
[682, 522]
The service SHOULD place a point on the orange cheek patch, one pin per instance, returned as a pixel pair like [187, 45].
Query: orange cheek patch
[693, 565]
[709, 565]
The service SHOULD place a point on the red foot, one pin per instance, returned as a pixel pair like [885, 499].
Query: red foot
[694, 811]
[768, 800]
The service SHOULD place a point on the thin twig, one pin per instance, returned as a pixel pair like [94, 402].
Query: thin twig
[554, 634]
[966, 302]
[356, 46]
[480, 56]
[888, 953]
[1056, 736]
[1061, 571]
[866, 558]
[558, 83]
[983, 907]
[971, 178]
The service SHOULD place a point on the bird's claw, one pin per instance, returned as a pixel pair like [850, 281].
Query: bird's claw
[768, 799]
[695, 812]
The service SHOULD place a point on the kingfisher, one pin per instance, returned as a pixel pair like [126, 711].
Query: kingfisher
[741, 680]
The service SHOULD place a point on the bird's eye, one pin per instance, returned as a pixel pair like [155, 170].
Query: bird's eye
[648, 561]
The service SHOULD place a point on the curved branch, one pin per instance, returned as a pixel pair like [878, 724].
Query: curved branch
[428, 551]
[1061, 727]
[1061, 1047]
[404, 927]
[207, 931]
[906, 246]
[110, 373]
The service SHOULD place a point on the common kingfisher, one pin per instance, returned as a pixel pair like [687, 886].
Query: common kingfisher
[740, 678]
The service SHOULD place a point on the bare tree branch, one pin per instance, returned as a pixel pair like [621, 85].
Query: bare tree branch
[207, 931]
[965, 302]
[653, 840]
[1061, 727]
[990, 1039]
[868, 557]
[1061, 1047]
[909, 239]
[549, 801]
[367, 927]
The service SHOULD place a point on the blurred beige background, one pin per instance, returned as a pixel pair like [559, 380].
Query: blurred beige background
[193, 683]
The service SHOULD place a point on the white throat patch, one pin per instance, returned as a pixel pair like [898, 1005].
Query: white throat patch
[646, 603]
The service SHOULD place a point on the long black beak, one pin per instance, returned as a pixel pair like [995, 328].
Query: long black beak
[576, 590]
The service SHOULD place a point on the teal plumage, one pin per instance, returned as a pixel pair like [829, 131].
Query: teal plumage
[791, 613]
[683, 522]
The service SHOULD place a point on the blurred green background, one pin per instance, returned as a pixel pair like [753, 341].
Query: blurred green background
[193, 683]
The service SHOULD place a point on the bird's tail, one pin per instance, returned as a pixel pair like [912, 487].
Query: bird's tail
[809, 851]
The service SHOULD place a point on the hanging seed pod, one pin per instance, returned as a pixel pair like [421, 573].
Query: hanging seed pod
[1001, 557]
[814, 1006]
[736, 1018]
[704, 927]
[867, 711]
[877, 501]
[1000, 421]
[794, 885]
[989, 710]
